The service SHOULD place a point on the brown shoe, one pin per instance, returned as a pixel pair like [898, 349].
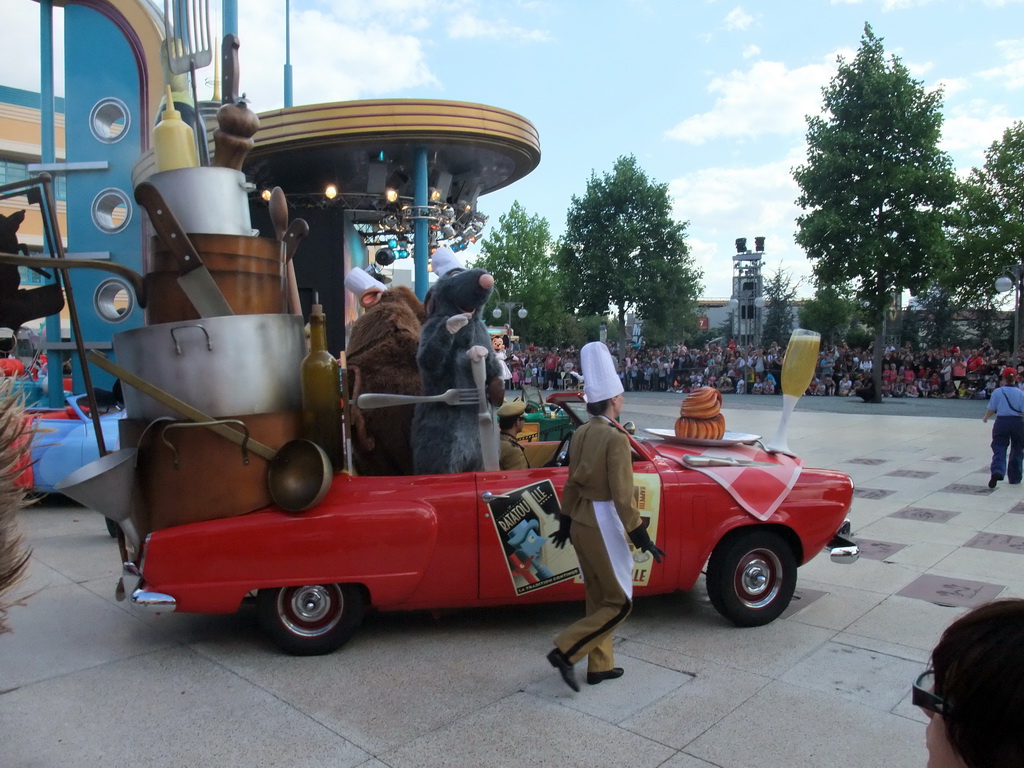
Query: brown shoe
[593, 678]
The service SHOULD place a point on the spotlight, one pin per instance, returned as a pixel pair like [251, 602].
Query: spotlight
[741, 245]
[396, 180]
[265, 194]
[385, 256]
[759, 244]
[435, 194]
[331, 192]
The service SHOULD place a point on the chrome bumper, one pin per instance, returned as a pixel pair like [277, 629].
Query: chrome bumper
[843, 549]
[130, 586]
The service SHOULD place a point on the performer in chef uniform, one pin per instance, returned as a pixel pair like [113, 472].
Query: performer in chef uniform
[510, 421]
[598, 509]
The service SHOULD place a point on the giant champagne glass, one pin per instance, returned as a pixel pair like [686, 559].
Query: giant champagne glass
[797, 372]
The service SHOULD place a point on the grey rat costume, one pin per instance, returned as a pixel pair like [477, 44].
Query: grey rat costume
[446, 438]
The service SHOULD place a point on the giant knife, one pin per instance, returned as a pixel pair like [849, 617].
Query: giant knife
[195, 279]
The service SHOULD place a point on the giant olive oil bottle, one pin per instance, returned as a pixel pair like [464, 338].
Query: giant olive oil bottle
[321, 392]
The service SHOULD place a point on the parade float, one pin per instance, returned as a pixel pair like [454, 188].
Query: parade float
[234, 481]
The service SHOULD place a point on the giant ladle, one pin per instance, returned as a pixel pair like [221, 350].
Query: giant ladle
[300, 472]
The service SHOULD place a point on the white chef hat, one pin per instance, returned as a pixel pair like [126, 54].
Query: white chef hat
[444, 260]
[600, 381]
[367, 289]
[358, 282]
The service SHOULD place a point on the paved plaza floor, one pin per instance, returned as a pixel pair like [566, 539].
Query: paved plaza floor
[86, 682]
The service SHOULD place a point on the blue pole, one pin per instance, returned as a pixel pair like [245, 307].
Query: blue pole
[229, 10]
[421, 230]
[48, 144]
[287, 53]
[48, 154]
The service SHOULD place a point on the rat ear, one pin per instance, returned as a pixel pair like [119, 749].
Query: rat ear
[370, 298]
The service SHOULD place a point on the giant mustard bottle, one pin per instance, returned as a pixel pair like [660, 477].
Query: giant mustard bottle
[173, 140]
[321, 392]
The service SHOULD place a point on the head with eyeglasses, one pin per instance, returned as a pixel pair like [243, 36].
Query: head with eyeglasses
[973, 693]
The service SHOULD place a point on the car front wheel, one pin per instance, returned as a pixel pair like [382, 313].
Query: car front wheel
[751, 577]
[310, 620]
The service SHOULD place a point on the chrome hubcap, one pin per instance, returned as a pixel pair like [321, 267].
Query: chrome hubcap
[310, 610]
[755, 578]
[311, 603]
[759, 579]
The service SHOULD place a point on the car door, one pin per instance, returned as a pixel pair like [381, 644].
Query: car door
[518, 512]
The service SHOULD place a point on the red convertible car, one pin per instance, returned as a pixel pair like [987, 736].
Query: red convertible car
[482, 539]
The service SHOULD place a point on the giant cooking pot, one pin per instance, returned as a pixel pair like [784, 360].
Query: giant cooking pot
[208, 199]
[248, 270]
[225, 366]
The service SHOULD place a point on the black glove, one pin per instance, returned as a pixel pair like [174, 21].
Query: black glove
[562, 535]
[642, 540]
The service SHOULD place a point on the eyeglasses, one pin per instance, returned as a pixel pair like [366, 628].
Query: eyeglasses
[923, 695]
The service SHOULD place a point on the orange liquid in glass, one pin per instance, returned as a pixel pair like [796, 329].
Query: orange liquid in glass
[800, 361]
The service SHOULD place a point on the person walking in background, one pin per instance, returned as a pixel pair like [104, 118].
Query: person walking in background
[973, 693]
[598, 511]
[1007, 405]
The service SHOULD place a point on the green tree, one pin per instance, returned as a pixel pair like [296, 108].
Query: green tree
[936, 317]
[779, 294]
[829, 312]
[518, 253]
[875, 187]
[987, 227]
[622, 250]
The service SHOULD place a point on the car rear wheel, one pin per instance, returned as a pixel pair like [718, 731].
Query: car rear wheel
[751, 577]
[310, 620]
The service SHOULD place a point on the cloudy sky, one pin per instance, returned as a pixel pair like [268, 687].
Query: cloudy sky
[709, 95]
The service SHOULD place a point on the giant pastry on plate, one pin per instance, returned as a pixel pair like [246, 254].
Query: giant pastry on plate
[700, 415]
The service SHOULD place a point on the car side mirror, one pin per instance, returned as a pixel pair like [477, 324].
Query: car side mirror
[630, 427]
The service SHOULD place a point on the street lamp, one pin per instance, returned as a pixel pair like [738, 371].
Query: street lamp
[509, 306]
[1003, 285]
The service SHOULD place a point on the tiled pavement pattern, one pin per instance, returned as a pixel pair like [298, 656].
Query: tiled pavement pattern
[86, 683]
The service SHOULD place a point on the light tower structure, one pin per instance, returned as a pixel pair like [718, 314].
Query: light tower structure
[747, 302]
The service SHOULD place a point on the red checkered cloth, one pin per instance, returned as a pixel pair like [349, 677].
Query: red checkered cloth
[758, 488]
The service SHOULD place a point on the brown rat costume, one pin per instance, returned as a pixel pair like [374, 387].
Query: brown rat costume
[381, 357]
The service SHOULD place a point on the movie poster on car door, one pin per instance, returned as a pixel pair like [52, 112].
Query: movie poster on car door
[647, 494]
[525, 520]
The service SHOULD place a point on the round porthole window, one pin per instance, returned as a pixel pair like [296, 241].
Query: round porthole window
[109, 120]
[111, 210]
[114, 300]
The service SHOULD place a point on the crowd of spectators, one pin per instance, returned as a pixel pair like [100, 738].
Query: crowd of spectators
[841, 372]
